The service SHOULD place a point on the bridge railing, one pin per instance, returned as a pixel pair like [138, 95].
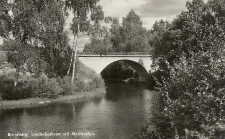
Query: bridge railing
[115, 53]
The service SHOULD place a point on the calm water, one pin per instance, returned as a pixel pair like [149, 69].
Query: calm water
[117, 115]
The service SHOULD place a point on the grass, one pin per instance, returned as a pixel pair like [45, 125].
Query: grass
[19, 103]
[88, 84]
[34, 101]
[80, 95]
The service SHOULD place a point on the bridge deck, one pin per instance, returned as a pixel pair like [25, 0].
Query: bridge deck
[116, 54]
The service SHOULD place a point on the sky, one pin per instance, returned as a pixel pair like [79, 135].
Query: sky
[148, 10]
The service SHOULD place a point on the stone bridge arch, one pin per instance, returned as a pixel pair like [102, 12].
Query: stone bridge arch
[141, 71]
[98, 63]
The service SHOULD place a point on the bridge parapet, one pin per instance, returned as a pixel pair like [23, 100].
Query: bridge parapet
[115, 53]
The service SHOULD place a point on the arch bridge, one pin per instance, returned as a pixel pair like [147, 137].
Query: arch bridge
[99, 62]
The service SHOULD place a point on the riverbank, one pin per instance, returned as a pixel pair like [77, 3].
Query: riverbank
[32, 90]
[40, 101]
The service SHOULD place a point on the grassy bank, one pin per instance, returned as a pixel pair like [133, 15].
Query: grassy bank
[36, 101]
[31, 89]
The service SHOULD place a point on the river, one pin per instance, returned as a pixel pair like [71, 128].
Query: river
[120, 113]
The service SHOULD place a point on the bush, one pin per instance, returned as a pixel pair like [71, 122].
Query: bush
[22, 91]
[155, 79]
[97, 82]
[69, 88]
[6, 87]
[45, 87]
[79, 85]
[193, 100]
[66, 85]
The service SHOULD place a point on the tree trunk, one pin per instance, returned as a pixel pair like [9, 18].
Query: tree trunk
[71, 59]
[16, 77]
[74, 60]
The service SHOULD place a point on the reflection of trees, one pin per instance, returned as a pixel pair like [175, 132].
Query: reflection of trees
[10, 120]
[96, 100]
[119, 91]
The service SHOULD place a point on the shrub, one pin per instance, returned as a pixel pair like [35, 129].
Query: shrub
[97, 82]
[66, 85]
[9, 92]
[193, 100]
[6, 87]
[45, 87]
[79, 85]
[23, 90]
[154, 79]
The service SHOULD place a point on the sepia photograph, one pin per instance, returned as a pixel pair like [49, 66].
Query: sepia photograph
[112, 69]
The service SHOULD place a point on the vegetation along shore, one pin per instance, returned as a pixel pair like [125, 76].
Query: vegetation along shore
[31, 89]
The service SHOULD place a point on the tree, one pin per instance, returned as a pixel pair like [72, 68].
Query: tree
[189, 33]
[192, 97]
[34, 26]
[134, 35]
[157, 39]
[116, 36]
[99, 45]
[81, 24]
[130, 36]
[5, 19]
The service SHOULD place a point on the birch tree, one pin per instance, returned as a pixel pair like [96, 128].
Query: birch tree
[86, 21]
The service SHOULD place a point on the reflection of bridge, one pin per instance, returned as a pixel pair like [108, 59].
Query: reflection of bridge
[99, 62]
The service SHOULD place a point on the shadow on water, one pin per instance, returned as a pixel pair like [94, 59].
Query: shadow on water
[123, 110]
[117, 91]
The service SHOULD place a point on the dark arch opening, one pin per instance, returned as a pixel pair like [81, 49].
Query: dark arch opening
[139, 72]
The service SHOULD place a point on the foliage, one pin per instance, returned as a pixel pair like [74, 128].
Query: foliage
[45, 87]
[38, 43]
[6, 85]
[95, 83]
[129, 36]
[133, 34]
[118, 70]
[193, 100]
[66, 85]
[9, 92]
[2, 47]
[154, 79]
[191, 32]
[99, 46]
[85, 13]
[193, 95]
[5, 20]
[2, 58]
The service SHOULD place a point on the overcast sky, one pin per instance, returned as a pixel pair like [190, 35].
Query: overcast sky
[149, 11]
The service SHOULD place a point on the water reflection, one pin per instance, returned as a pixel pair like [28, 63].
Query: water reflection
[122, 111]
